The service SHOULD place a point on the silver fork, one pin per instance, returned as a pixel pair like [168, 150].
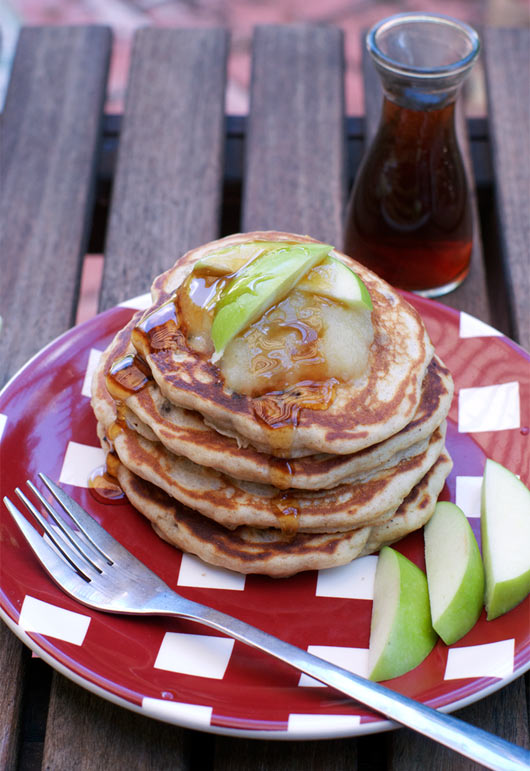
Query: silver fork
[91, 566]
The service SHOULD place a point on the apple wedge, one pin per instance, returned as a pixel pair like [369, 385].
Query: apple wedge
[259, 285]
[505, 528]
[333, 279]
[455, 574]
[229, 259]
[401, 632]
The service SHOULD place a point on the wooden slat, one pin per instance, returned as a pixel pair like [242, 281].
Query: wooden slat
[86, 733]
[13, 661]
[50, 131]
[507, 64]
[238, 754]
[295, 148]
[168, 182]
[503, 714]
[472, 294]
[166, 199]
[294, 181]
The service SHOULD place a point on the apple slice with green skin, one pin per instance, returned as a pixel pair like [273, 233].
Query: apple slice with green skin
[505, 527]
[401, 632]
[455, 574]
[336, 281]
[229, 259]
[258, 285]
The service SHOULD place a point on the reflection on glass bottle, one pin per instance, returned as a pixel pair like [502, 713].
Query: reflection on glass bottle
[409, 217]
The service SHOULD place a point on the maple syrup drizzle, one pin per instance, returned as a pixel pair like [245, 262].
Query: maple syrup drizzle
[159, 330]
[287, 514]
[127, 376]
[281, 409]
[280, 473]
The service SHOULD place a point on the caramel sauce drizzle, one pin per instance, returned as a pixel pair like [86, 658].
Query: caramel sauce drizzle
[159, 330]
[287, 513]
[280, 473]
[279, 409]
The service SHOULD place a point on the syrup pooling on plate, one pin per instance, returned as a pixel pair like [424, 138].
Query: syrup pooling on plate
[104, 486]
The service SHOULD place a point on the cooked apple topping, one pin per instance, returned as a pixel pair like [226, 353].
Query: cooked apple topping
[275, 314]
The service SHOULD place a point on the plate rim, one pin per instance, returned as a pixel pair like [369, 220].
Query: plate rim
[370, 727]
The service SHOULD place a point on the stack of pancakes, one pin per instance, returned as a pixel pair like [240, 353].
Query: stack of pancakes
[309, 488]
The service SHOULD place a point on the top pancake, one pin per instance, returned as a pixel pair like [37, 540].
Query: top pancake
[184, 432]
[363, 412]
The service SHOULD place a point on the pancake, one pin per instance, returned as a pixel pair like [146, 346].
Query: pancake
[416, 509]
[309, 476]
[362, 412]
[233, 502]
[184, 432]
[267, 552]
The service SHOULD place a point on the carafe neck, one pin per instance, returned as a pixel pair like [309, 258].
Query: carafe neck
[422, 59]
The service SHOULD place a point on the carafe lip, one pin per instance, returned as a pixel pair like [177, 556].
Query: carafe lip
[459, 66]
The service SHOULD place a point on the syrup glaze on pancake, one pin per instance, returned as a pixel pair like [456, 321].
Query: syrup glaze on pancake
[184, 432]
[357, 414]
[268, 552]
[233, 502]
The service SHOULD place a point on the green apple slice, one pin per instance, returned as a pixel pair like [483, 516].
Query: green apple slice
[230, 259]
[401, 633]
[505, 527]
[455, 574]
[259, 285]
[336, 281]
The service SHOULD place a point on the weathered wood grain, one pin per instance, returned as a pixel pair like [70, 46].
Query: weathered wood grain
[167, 188]
[13, 658]
[239, 754]
[294, 177]
[507, 64]
[503, 714]
[472, 294]
[86, 733]
[50, 131]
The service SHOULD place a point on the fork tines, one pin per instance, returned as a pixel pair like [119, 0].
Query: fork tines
[75, 545]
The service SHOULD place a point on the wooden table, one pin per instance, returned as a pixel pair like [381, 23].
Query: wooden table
[178, 174]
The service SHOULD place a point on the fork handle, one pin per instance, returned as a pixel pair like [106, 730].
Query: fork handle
[481, 746]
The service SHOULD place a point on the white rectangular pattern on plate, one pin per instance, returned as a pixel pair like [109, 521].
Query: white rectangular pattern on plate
[195, 654]
[53, 621]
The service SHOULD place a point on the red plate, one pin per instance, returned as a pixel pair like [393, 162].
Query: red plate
[46, 424]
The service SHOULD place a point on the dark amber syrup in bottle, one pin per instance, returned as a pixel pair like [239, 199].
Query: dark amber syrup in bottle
[409, 219]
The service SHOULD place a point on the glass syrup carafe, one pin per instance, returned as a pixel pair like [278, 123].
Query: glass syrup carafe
[409, 217]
